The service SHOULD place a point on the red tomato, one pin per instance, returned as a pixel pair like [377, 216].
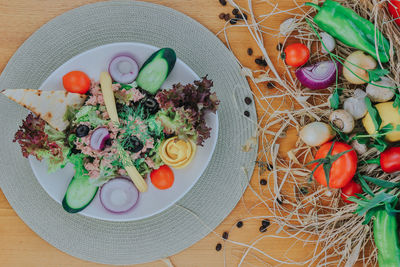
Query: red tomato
[296, 55]
[350, 190]
[343, 169]
[394, 10]
[390, 160]
[76, 82]
[162, 178]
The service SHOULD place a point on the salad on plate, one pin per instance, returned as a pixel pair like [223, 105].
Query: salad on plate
[118, 130]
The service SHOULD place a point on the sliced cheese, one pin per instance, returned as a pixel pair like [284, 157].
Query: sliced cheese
[51, 106]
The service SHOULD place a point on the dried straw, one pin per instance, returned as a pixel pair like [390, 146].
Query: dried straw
[303, 210]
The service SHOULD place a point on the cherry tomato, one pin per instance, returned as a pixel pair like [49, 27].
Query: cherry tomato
[296, 54]
[162, 178]
[342, 170]
[76, 82]
[394, 10]
[390, 160]
[350, 190]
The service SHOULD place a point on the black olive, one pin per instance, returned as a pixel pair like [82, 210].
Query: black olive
[108, 142]
[150, 105]
[74, 150]
[82, 130]
[135, 144]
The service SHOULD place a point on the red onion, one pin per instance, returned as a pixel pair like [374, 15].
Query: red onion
[123, 69]
[99, 138]
[119, 195]
[320, 75]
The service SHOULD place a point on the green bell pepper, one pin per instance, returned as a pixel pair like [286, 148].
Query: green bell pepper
[348, 27]
[386, 239]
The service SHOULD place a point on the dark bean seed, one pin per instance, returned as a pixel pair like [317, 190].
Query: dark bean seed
[261, 62]
[235, 11]
[270, 167]
[304, 190]
[263, 229]
[279, 46]
[221, 16]
[239, 224]
[265, 222]
[247, 100]
[225, 235]
[263, 182]
[233, 21]
[218, 247]
[270, 85]
[249, 51]
[227, 17]
[279, 201]
[222, 2]
[247, 113]
[238, 16]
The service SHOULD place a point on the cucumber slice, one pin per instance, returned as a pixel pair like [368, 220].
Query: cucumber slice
[80, 193]
[156, 69]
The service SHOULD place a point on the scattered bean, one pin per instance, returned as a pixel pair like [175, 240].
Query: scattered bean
[279, 201]
[225, 235]
[235, 11]
[263, 182]
[279, 46]
[263, 229]
[270, 167]
[218, 247]
[249, 51]
[270, 85]
[240, 16]
[239, 224]
[247, 100]
[227, 17]
[261, 62]
[247, 113]
[233, 21]
[222, 2]
[265, 223]
[221, 15]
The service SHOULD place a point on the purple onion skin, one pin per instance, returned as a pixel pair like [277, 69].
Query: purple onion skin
[313, 81]
[123, 54]
[99, 146]
[118, 212]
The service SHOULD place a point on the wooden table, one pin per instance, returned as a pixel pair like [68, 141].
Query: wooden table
[20, 246]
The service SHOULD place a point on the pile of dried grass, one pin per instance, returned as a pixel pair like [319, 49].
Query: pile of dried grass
[304, 210]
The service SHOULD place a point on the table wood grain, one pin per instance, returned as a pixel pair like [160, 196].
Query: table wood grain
[20, 246]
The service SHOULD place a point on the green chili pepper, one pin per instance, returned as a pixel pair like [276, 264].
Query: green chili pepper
[386, 239]
[348, 27]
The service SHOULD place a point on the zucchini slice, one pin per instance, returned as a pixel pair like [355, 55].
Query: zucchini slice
[79, 194]
[156, 69]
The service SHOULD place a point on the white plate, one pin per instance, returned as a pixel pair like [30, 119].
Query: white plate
[154, 201]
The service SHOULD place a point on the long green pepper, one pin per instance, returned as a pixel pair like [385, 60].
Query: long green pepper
[348, 27]
[386, 239]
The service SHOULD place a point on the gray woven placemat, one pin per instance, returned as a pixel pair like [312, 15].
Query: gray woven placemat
[211, 199]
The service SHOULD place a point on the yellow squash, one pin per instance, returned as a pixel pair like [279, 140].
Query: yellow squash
[389, 114]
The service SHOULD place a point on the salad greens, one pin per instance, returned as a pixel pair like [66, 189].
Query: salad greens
[145, 122]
